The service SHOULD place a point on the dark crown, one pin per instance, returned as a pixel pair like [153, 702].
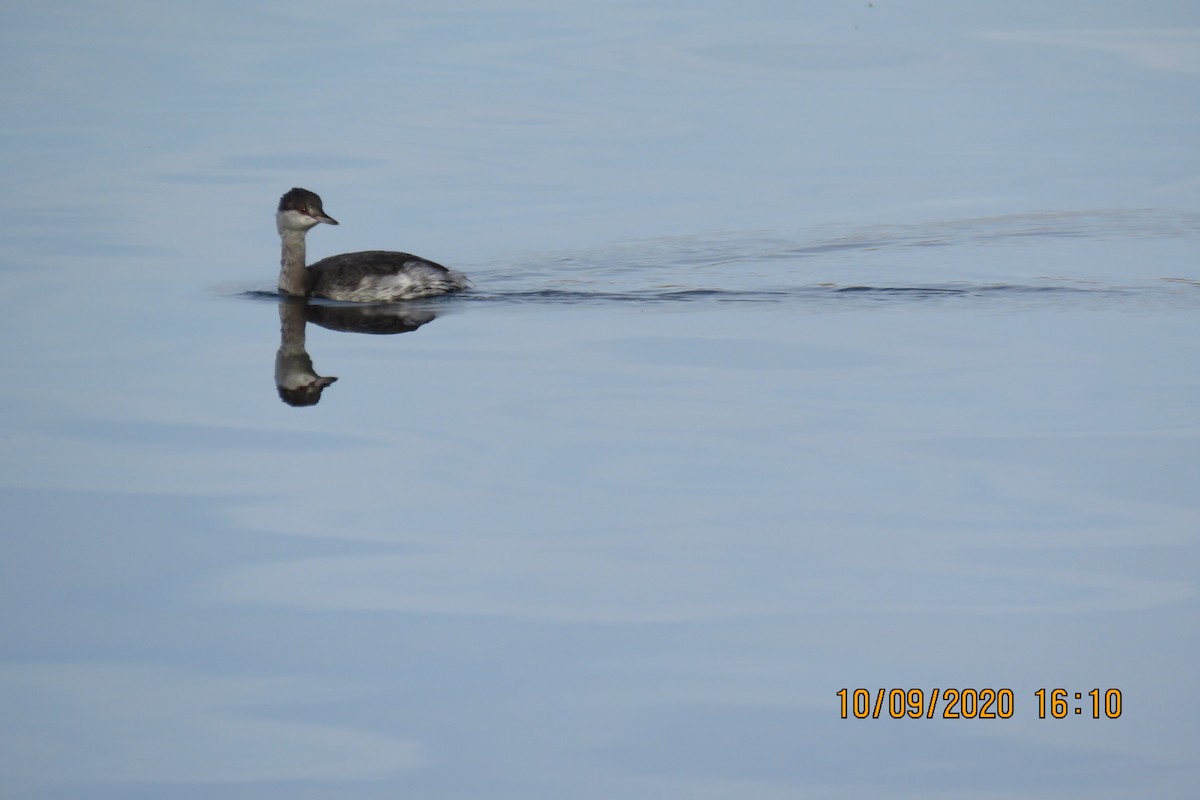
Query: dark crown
[300, 200]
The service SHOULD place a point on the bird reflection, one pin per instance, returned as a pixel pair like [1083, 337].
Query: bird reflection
[298, 383]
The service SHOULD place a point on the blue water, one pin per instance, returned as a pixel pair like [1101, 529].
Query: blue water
[812, 346]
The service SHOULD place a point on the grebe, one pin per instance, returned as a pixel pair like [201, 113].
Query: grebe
[369, 276]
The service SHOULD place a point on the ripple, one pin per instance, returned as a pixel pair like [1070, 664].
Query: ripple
[1106, 255]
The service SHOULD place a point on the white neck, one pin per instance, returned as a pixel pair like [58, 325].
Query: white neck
[292, 277]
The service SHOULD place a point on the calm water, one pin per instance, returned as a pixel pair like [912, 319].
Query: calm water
[811, 348]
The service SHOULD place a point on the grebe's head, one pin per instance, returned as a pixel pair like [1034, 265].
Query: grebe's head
[300, 210]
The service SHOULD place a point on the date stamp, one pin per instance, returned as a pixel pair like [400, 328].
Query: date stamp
[953, 703]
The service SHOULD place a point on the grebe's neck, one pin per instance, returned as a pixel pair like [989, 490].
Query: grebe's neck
[293, 279]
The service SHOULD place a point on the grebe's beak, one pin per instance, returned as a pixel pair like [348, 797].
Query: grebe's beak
[323, 217]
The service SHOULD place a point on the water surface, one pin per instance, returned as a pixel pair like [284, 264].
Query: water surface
[810, 348]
